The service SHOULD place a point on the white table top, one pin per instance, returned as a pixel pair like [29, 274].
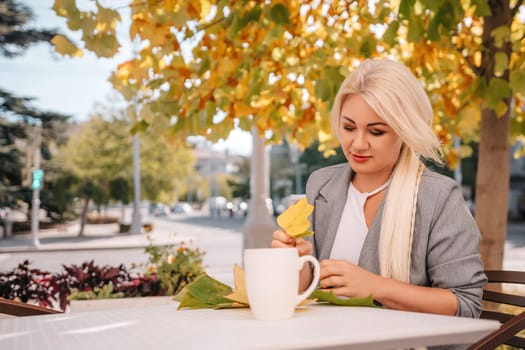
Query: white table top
[312, 327]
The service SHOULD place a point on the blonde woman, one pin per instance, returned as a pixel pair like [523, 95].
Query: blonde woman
[384, 224]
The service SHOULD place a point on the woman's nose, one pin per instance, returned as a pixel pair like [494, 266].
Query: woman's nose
[360, 141]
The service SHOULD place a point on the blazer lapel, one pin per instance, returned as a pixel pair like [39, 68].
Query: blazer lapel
[328, 209]
[369, 258]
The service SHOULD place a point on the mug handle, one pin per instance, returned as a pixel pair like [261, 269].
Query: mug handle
[302, 260]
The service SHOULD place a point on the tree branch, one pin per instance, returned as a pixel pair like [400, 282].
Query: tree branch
[208, 25]
[516, 8]
[476, 70]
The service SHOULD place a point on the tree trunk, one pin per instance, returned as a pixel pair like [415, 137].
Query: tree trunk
[83, 216]
[122, 212]
[492, 187]
[492, 180]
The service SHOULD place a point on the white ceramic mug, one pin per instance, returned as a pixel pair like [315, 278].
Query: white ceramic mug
[272, 281]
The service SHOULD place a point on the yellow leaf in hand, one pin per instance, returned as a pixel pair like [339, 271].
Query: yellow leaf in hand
[294, 220]
[239, 294]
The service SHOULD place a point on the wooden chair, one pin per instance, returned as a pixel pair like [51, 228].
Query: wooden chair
[511, 323]
[18, 308]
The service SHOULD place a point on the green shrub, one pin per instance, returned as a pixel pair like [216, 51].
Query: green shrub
[174, 266]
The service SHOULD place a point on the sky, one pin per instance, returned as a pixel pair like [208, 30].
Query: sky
[72, 86]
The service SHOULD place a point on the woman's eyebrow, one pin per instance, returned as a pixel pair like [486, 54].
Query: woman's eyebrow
[369, 124]
[377, 124]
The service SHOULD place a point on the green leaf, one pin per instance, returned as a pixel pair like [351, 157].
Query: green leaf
[501, 63]
[279, 14]
[390, 35]
[416, 29]
[501, 35]
[444, 20]
[203, 292]
[517, 81]
[482, 8]
[252, 16]
[405, 7]
[191, 302]
[235, 26]
[498, 90]
[329, 297]
[275, 33]
[139, 126]
[368, 46]
[204, 65]
[323, 90]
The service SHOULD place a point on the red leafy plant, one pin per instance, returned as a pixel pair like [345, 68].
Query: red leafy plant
[41, 287]
[169, 269]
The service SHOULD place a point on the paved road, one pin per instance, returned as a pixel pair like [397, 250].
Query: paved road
[219, 237]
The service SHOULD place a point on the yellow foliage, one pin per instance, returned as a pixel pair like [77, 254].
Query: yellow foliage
[240, 294]
[65, 47]
[252, 62]
[469, 117]
[65, 8]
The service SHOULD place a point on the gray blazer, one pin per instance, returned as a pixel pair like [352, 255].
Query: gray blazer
[445, 242]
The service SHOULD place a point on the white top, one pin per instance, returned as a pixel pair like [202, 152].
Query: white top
[312, 327]
[352, 229]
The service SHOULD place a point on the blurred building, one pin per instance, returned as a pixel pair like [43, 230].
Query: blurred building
[517, 186]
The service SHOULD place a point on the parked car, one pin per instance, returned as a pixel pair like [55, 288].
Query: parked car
[181, 208]
[159, 209]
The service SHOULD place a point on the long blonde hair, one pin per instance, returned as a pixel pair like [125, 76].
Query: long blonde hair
[394, 93]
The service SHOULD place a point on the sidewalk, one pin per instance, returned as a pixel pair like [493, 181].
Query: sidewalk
[99, 236]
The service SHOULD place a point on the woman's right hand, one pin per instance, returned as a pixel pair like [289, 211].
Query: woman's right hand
[282, 240]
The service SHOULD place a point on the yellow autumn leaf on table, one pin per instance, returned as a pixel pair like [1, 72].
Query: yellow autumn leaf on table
[294, 220]
[65, 47]
[240, 294]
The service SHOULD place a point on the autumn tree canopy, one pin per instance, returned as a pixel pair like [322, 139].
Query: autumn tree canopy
[205, 66]
[277, 65]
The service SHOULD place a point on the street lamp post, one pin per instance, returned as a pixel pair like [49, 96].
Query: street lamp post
[136, 222]
[35, 204]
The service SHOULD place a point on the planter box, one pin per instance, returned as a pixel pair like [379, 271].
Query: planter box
[117, 303]
[124, 228]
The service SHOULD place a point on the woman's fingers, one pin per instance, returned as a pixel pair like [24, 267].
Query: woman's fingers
[279, 244]
[282, 240]
[330, 282]
[280, 235]
[331, 267]
[304, 247]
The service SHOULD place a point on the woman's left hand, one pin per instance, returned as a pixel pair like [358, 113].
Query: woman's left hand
[346, 279]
